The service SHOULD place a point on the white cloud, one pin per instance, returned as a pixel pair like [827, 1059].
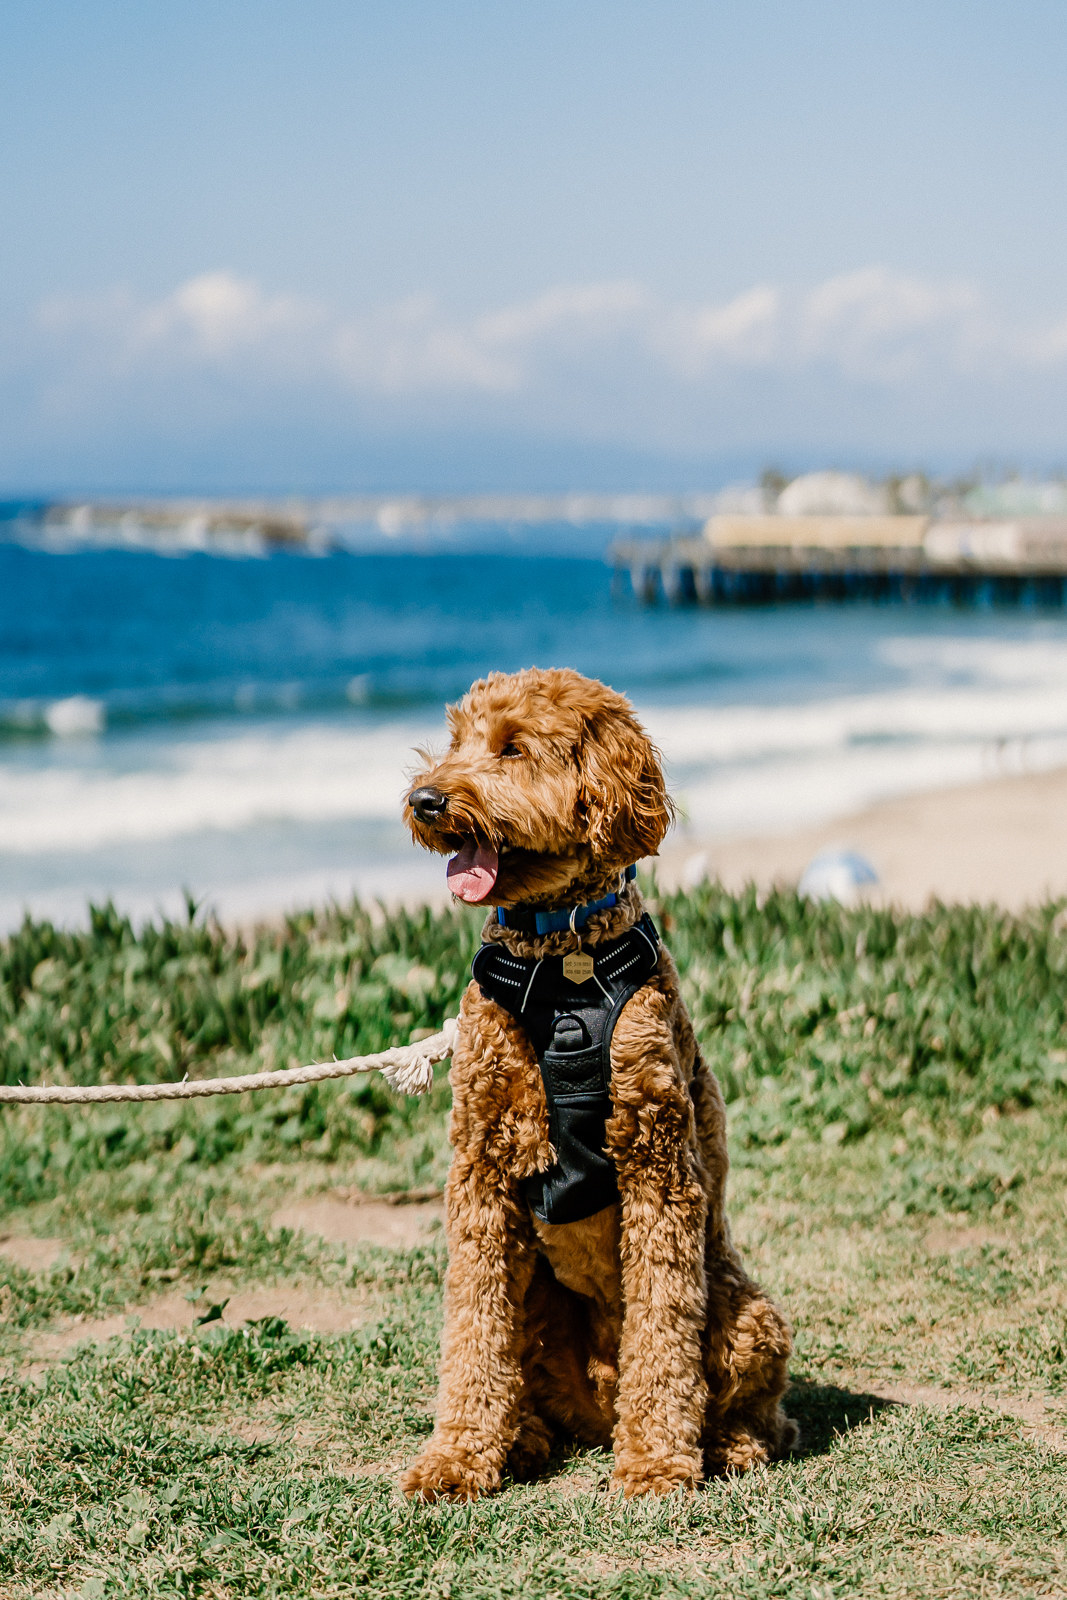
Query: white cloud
[586, 309]
[413, 347]
[219, 312]
[879, 323]
[875, 325]
[1045, 347]
[746, 331]
[215, 310]
[875, 303]
[745, 327]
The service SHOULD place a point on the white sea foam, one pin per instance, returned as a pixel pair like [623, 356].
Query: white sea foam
[735, 768]
[776, 795]
[745, 733]
[75, 716]
[752, 769]
[258, 820]
[1034, 660]
[311, 775]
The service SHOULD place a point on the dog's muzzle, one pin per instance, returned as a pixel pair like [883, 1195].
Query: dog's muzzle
[428, 804]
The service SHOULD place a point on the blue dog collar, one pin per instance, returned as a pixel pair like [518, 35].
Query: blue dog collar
[573, 917]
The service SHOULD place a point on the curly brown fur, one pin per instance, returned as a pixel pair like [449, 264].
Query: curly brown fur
[557, 773]
[637, 1325]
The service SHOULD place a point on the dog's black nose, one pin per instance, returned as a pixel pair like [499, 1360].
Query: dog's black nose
[427, 804]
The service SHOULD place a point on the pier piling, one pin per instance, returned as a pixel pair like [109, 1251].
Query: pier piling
[882, 560]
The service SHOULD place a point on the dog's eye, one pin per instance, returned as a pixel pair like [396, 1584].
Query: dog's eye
[509, 751]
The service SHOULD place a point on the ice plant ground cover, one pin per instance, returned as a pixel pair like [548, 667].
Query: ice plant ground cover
[898, 1096]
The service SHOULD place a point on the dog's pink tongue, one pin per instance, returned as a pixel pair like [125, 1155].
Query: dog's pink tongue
[472, 874]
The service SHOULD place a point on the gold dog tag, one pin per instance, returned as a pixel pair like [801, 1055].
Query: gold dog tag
[578, 967]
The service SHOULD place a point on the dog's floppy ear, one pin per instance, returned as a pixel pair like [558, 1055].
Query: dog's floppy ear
[622, 796]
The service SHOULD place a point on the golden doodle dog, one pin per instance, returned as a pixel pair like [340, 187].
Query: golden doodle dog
[593, 1289]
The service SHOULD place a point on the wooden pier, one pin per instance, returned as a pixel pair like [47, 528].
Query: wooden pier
[769, 559]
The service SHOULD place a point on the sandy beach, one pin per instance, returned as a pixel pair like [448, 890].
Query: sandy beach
[1004, 840]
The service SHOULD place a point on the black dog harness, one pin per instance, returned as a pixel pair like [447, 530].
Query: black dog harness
[570, 1026]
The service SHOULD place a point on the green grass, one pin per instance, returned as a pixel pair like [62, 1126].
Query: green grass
[899, 1125]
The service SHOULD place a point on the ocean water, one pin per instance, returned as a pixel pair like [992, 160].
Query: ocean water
[242, 729]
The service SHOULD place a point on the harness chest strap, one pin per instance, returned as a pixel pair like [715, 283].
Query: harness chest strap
[570, 1027]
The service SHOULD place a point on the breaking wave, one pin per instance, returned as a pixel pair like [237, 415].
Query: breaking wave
[247, 732]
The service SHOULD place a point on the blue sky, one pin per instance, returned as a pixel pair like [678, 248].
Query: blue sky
[449, 245]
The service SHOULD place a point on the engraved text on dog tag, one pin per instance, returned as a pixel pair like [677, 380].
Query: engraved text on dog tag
[577, 967]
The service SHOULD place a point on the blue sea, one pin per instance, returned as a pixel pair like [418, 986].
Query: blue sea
[241, 728]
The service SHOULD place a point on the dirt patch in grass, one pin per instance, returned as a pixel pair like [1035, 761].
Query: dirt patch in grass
[343, 1220]
[1030, 1410]
[32, 1255]
[691, 1557]
[945, 1240]
[569, 1485]
[321, 1310]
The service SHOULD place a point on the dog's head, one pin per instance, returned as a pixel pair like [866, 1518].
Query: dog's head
[550, 787]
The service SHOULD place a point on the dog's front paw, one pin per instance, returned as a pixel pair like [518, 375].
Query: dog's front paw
[646, 1474]
[740, 1448]
[454, 1474]
[530, 1453]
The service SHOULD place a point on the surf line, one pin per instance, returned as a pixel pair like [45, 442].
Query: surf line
[406, 1068]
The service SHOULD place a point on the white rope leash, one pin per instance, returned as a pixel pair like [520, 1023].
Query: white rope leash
[408, 1068]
